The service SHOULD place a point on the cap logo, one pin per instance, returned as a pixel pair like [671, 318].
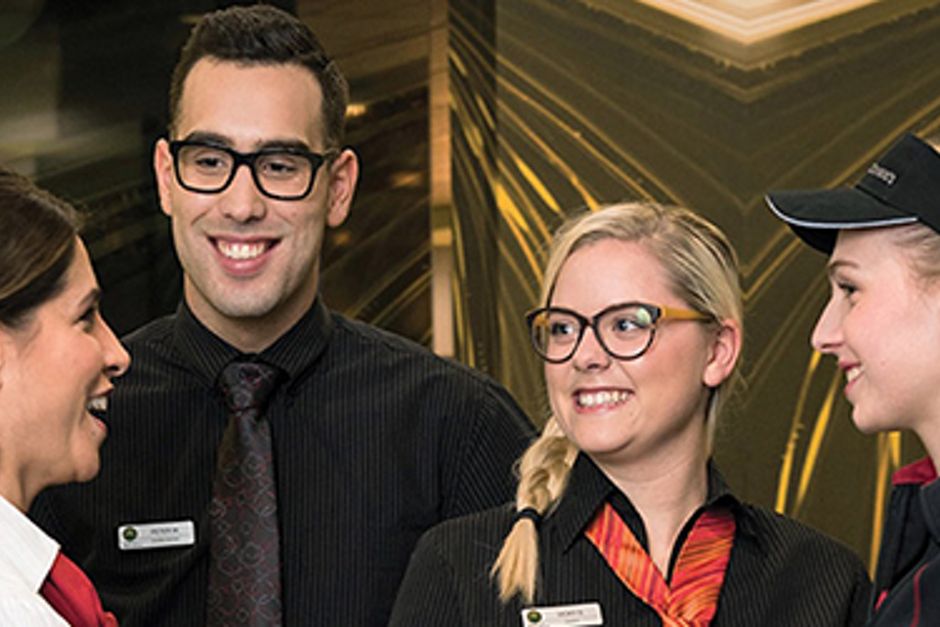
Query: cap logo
[883, 174]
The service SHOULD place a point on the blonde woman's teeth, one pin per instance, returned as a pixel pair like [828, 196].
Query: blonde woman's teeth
[606, 397]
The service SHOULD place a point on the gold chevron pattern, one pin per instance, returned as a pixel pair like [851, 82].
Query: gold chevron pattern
[555, 106]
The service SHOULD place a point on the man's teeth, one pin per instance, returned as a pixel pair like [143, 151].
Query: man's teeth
[241, 250]
[853, 373]
[98, 403]
[593, 399]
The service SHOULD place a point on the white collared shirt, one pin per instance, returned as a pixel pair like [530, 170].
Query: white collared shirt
[26, 556]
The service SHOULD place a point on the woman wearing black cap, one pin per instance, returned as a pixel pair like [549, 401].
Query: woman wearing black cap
[882, 323]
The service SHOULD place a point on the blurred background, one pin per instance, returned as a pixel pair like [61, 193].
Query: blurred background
[480, 124]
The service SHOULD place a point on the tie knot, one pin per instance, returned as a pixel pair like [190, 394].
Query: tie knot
[248, 384]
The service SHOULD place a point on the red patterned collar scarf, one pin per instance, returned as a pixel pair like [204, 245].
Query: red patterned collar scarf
[691, 598]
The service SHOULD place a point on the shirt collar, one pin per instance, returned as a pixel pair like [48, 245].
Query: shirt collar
[293, 352]
[588, 488]
[918, 473]
[26, 549]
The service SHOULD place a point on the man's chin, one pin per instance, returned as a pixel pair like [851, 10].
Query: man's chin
[237, 302]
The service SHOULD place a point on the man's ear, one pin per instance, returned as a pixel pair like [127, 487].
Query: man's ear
[725, 350]
[163, 173]
[344, 172]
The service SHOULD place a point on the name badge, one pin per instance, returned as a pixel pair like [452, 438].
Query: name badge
[554, 616]
[159, 535]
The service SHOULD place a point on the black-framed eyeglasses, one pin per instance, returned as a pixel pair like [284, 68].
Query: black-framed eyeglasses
[624, 330]
[282, 173]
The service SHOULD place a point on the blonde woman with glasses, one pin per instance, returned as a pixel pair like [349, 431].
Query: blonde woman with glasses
[620, 516]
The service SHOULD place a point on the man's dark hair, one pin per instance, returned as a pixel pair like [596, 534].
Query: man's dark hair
[264, 35]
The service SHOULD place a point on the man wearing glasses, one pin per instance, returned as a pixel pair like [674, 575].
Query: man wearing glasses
[270, 461]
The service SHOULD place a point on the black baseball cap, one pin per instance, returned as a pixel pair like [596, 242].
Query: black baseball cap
[902, 187]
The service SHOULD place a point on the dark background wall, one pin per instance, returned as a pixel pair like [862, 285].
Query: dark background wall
[552, 106]
[84, 99]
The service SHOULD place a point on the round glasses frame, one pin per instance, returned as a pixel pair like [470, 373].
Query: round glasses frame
[249, 159]
[658, 313]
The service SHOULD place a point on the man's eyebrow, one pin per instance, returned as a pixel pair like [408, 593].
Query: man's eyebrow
[215, 139]
[289, 144]
[209, 138]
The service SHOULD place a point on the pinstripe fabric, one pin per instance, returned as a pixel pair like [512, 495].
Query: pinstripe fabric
[691, 598]
[374, 438]
[780, 573]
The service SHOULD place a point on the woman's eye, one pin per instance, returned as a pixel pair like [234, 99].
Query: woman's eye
[560, 329]
[848, 289]
[622, 325]
[88, 317]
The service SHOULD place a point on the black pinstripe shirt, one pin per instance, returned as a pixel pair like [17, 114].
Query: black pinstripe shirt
[375, 440]
[781, 573]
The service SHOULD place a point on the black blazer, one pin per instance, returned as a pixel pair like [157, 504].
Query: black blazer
[907, 581]
[781, 573]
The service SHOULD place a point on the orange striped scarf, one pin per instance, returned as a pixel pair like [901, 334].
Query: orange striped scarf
[692, 598]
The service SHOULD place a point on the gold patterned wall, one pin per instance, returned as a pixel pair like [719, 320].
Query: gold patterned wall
[550, 106]
[566, 104]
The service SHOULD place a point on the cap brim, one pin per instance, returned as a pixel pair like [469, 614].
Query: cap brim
[817, 216]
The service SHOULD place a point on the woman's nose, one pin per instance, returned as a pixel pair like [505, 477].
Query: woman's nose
[590, 354]
[827, 335]
[117, 359]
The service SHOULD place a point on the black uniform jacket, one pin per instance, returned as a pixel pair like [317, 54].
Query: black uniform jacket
[780, 572]
[375, 440]
[907, 581]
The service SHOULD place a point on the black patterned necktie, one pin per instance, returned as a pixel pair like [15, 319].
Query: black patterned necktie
[244, 562]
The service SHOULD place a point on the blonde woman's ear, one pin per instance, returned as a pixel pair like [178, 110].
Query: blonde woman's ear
[725, 350]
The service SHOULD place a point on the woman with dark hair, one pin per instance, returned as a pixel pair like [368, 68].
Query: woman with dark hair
[57, 360]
